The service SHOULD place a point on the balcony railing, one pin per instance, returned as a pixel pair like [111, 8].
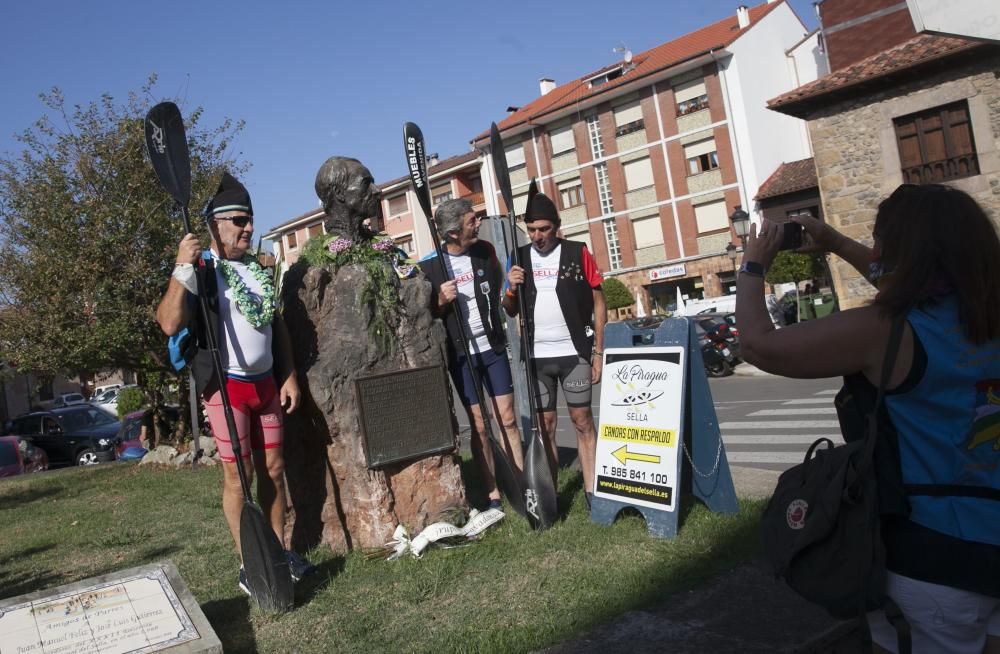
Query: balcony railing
[932, 172]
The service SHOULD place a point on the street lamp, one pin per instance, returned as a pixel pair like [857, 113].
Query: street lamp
[731, 253]
[741, 224]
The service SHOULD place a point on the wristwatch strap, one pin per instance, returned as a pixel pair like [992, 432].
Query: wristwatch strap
[753, 268]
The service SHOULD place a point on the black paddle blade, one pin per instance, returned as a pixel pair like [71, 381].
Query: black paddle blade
[508, 481]
[264, 562]
[168, 150]
[416, 160]
[499, 157]
[539, 491]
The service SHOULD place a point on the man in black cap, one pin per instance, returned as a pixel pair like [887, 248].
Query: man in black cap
[565, 327]
[256, 353]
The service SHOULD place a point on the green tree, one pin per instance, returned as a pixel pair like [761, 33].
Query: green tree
[616, 294]
[87, 237]
[791, 267]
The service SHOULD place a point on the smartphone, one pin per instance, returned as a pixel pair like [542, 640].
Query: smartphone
[791, 238]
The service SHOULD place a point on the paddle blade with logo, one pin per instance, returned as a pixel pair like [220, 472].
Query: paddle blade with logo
[167, 145]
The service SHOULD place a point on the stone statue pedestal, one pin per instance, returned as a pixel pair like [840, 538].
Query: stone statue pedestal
[335, 498]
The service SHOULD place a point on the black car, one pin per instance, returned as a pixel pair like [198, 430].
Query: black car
[73, 435]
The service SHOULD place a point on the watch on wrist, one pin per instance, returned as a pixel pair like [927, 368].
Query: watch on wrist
[753, 269]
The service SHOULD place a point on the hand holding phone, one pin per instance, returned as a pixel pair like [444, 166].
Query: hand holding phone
[791, 238]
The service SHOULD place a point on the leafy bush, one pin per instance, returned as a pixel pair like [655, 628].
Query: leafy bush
[616, 294]
[792, 267]
[129, 400]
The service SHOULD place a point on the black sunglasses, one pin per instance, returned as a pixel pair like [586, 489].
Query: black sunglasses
[239, 221]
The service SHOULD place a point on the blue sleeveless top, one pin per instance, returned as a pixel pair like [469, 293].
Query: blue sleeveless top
[948, 428]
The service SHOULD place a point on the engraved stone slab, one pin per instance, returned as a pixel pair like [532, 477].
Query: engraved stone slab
[404, 414]
[144, 609]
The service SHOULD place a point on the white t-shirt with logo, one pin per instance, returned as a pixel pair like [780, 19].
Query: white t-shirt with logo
[460, 269]
[248, 350]
[552, 337]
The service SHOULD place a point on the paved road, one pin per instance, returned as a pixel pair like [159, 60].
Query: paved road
[767, 422]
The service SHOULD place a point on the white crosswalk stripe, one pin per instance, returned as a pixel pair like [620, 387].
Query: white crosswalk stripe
[814, 411]
[780, 424]
[779, 437]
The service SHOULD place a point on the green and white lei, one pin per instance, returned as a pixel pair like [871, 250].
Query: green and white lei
[258, 312]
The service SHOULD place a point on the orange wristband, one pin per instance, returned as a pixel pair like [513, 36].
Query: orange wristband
[509, 293]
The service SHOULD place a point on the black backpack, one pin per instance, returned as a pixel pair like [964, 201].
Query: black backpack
[821, 529]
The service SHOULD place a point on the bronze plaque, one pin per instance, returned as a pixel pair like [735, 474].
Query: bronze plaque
[404, 414]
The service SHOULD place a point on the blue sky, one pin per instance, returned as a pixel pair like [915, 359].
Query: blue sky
[314, 79]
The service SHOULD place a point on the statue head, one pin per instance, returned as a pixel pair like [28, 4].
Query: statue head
[350, 197]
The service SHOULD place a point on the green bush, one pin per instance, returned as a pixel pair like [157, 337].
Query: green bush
[129, 400]
[616, 294]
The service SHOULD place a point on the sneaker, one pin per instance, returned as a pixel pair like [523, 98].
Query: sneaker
[244, 584]
[298, 566]
[494, 504]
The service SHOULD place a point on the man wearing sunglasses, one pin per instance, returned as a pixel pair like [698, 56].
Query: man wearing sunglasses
[256, 355]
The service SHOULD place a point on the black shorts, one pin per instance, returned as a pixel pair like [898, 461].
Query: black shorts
[571, 372]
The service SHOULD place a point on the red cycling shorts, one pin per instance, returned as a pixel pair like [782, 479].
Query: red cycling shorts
[256, 412]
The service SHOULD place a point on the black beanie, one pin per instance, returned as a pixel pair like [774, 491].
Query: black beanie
[541, 208]
[231, 196]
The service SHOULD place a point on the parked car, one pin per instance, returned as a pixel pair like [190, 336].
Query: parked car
[102, 389]
[18, 456]
[73, 435]
[108, 400]
[69, 399]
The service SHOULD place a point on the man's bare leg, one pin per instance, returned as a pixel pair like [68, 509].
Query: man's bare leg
[503, 406]
[482, 453]
[232, 497]
[271, 488]
[586, 442]
[547, 422]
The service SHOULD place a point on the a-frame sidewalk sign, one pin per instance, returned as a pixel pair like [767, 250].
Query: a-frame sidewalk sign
[658, 438]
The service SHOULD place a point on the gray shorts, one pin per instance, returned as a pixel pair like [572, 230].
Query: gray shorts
[572, 373]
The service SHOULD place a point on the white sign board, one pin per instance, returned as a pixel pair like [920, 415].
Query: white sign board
[136, 614]
[977, 19]
[676, 270]
[637, 443]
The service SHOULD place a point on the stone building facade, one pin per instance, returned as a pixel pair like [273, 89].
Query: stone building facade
[854, 117]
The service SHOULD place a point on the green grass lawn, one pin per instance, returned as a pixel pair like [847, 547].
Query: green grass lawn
[514, 591]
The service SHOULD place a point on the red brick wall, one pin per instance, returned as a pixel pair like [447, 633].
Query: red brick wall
[852, 44]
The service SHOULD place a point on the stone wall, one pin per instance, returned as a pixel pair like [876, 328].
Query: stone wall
[857, 157]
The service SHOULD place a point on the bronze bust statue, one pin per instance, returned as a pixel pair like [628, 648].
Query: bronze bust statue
[350, 197]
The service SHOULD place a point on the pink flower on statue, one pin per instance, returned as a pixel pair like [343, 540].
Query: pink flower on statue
[383, 245]
[339, 245]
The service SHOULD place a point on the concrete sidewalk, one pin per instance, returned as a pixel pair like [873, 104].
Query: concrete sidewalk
[743, 610]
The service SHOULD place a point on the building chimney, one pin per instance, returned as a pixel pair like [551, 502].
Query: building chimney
[743, 16]
[545, 85]
[432, 159]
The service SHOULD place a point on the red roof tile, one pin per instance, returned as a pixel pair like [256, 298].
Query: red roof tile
[714, 37]
[921, 49]
[789, 178]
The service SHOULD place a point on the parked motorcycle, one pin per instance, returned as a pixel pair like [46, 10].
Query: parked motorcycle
[719, 359]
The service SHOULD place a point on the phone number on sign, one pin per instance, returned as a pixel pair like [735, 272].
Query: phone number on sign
[640, 475]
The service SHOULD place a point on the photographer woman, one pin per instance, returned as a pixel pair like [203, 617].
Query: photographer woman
[936, 261]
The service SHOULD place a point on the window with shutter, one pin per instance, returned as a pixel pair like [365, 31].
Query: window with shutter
[691, 97]
[936, 145]
[571, 193]
[647, 231]
[711, 216]
[562, 140]
[638, 174]
[701, 156]
[315, 230]
[515, 156]
[397, 205]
